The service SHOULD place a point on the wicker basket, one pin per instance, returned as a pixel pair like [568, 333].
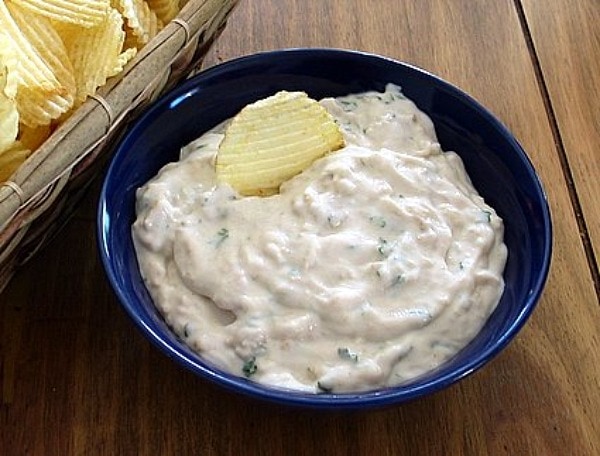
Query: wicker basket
[41, 195]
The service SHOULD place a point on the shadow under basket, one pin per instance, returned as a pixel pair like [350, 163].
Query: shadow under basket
[39, 198]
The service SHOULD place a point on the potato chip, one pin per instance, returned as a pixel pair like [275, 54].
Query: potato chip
[166, 10]
[9, 60]
[41, 96]
[33, 137]
[85, 13]
[123, 59]
[38, 107]
[11, 159]
[131, 41]
[142, 23]
[272, 140]
[95, 53]
[9, 116]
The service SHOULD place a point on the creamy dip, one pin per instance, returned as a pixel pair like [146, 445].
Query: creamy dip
[373, 266]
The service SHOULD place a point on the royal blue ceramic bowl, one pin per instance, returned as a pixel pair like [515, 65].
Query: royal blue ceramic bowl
[499, 168]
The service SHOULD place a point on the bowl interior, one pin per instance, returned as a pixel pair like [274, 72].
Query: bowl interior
[496, 163]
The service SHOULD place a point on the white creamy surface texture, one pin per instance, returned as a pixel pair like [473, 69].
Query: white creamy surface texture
[372, 267]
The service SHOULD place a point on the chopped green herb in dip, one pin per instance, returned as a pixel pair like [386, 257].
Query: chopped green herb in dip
[249, 368]
[345, 353]
[222, 234]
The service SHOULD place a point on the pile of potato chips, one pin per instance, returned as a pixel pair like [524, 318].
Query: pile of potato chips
[56, 53]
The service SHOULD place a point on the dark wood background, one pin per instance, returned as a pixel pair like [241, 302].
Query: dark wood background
[77, 377]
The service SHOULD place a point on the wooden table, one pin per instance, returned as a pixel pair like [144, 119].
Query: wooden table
[77, 378]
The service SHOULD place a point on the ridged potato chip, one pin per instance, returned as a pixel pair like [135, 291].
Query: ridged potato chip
[166, 10]
[11, 159]
[33, 137]
[85, 13]
[36, 105]
[9, 116]
[274, 139]
[41, 95]
[123, 59]
[9, 65]
[142, 24]
[95, 53]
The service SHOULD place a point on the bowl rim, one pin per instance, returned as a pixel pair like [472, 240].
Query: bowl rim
[359, 400]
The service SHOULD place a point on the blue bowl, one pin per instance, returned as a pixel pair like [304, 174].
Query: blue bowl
[497, 164]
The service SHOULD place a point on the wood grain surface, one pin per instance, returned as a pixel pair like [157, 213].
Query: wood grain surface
[566, 36]
[78, 378]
